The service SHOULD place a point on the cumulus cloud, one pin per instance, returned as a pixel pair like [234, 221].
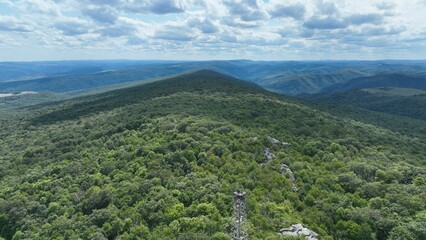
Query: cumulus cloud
[263, 39]
[246, 11]
[359, 19]
[72, 26]
[156, 6]
[377, 31]
[230, 26]
[327, 8]
[117, 30]
[325, 23]
[174, 33]
[8, 23]
[123, 27]
[385, 5]
[134, 40]
[296, 11]
[107, 2]
[337, 23]
[205, 25]
[230, 37]
[104, 14]
[160, 7]
[237, 23]
[43, 6]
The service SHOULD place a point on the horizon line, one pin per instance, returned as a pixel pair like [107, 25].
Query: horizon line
[212, 60]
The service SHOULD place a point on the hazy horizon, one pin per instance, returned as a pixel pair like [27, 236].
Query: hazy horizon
[213, 60]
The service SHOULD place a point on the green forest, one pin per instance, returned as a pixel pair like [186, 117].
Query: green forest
[162, 160]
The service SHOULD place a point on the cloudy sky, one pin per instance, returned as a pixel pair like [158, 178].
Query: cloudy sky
[212, 29]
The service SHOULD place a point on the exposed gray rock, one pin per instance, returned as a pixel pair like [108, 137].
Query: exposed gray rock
[298, 227]
[277, 142]
[268, 154]
[274, 141]
[305, 232]
[286, 169]
[299, 230]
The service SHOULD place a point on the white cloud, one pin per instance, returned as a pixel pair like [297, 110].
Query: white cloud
[40, 6]
[232, 27]
[296, 11]
[10, 23]
[386, 5]
[156, 6]
[204, 25]
[103, 14]
[72, 26]
[174, 33]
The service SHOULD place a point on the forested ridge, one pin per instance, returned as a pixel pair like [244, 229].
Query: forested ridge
[408, 106]
[162, 161]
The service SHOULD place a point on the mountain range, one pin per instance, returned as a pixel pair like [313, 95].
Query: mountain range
[290, 78]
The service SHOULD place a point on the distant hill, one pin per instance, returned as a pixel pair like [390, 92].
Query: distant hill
[385, 80]
[285, 77]
[307, 83]
[16, 71]
[204, 81]
[93, 80]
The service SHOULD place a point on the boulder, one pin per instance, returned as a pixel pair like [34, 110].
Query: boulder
[268, 154]
[299, 230]
[277, 142]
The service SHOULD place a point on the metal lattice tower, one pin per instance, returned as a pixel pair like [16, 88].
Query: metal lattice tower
[239, 220]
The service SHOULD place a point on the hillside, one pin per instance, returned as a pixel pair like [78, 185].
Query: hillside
[163, 160]
[396, 104]
[399, 124]
[407, 92]
[11, 102]
[385, 80]
[293, 84]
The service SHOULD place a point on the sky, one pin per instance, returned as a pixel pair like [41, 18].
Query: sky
[35, 30]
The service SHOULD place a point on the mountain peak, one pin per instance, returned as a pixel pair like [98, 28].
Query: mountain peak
[204, 81]
[207, 71]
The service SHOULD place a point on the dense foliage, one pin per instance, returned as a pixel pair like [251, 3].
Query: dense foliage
[161, 161]
[396, 123]
[408, 106]
[11, 103]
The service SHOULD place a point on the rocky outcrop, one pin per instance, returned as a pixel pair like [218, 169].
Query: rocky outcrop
[299, 230]
[254, 139]
[286, 170]
[268, 154]
[277, 142]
